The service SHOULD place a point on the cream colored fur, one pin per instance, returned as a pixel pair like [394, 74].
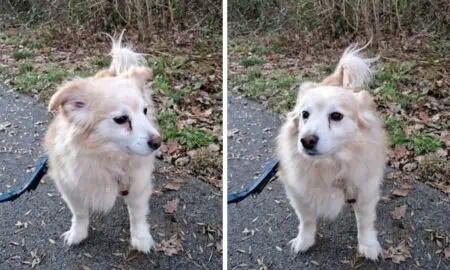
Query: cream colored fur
[91, 156]
[353, 158]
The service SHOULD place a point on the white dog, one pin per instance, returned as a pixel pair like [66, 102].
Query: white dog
[101, 144]
[332, 151]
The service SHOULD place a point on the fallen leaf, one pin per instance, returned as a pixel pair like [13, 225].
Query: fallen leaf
[447, 253]
[398, 254]
[172, 146]
[172, 186]
[171, 206]
[399, 212]
[400, 192]
[170, 247]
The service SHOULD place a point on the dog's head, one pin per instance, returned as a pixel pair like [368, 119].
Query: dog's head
[327, 118]
[110, 111]
[328, 115]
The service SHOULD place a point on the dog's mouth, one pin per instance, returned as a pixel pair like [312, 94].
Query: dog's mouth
[312, 152]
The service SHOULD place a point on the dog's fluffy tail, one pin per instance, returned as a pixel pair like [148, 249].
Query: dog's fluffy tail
[353, 71]
[124, 58]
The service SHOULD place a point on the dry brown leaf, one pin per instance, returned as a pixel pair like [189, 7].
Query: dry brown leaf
[172, 146]
[400, 192]
[398, 254]
[399, 212]
[447, 253]
[170, 247]
[171, 206]
[172, 186]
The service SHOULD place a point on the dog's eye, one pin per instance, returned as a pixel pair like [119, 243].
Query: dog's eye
[121, 119]
[336, 116]
[305, 114]
[145, 111]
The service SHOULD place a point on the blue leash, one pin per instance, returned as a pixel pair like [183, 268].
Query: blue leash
[255, 188]
[30, 184]
[42, 167]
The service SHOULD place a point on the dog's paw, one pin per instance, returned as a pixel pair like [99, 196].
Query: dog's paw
[371, 251]
[74, 237]
[143, 243]
[301, 244]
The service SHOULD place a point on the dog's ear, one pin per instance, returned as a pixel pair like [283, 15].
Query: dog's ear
[105, 73]
[335, 79]
[367, 109]
[140, 75]
[72, 99]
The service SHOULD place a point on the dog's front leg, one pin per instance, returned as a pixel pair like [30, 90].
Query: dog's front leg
[137, 202]
[307, 228]
[80, 220]
[365, 211]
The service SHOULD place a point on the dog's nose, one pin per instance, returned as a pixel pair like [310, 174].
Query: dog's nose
[310, 141]
[154, 142]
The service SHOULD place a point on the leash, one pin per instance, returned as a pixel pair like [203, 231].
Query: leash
[30, 184]
[255, 188]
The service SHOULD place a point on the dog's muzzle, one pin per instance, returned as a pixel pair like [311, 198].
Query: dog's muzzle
[309, 142]
[154, 142]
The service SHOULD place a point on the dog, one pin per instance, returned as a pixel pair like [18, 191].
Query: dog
[102, 142]
[332, 149]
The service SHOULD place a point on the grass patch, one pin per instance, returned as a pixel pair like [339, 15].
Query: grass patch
[280, 90]
[101, 61]
[25, 67]
[261, 51]
[251, 62]
[30, 81]
[21, 55]
[190, 137]
[195, 138]
[32, 44]
[168, 123]
[424, 143]
[395, 129]
[164, 84]
[9, 41]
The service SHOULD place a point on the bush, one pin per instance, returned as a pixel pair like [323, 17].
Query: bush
[374, 17]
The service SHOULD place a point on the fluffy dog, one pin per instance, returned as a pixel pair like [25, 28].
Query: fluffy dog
[102, 143]
[332, 150]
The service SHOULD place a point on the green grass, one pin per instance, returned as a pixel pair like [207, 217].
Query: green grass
[261, 51]
[25, 67]
[251, 62]
[195, 138]
[29, 80]
[21, 55]
[164, 84]
[191, 137]
[101, 61]
[168, 123]
[9, 41]
[424, 143]
[32, 44]
[421, 143]
[256, 85]
[395, 128]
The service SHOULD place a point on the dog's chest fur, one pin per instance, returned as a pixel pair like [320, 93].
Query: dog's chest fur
[95, 176]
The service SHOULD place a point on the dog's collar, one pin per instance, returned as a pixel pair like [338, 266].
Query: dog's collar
[123, 189]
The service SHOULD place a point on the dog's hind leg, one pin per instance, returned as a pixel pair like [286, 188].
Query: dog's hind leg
[307, 227]
[80, 220]
[365, 211]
